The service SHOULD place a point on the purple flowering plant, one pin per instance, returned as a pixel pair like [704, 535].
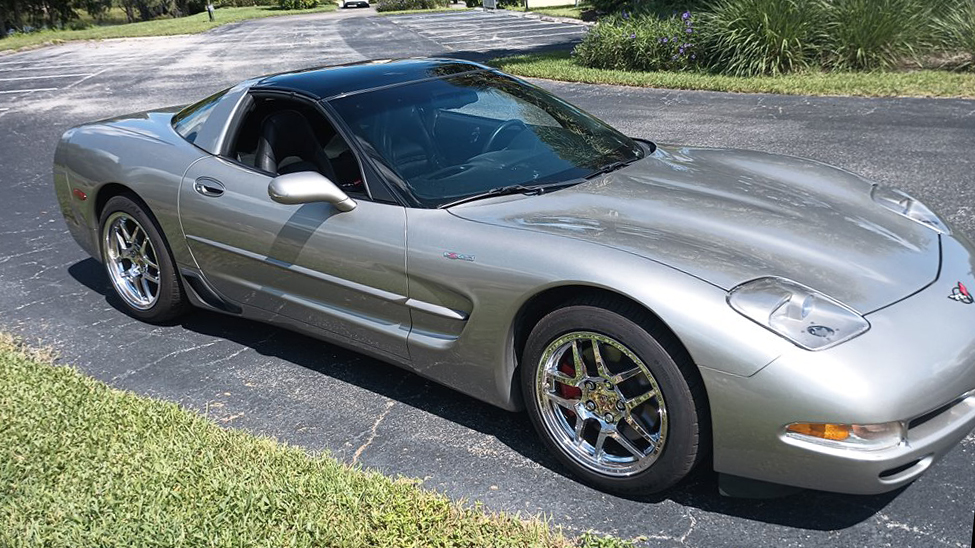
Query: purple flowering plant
[640, 41]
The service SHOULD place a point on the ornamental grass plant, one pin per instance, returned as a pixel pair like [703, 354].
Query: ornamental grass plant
[748, 38]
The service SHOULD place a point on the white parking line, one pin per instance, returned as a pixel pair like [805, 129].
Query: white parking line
[43, 77]
[92, 75]
[26, 90]
[56, 67]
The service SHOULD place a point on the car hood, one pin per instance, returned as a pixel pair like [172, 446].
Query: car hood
[729, 216]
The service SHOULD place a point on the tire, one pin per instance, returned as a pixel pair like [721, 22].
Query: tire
[138, 262]
[646, 403]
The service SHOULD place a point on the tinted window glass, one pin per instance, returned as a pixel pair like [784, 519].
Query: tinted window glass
[190, 120]
[463, 135]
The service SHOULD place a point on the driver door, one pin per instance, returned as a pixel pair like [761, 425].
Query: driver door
[342, 272]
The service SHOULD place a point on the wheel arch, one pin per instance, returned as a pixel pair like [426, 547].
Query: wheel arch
[553, 298]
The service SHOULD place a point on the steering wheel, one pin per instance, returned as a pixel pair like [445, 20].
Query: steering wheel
[514, 123]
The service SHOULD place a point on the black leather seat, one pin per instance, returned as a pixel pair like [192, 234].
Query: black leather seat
[407, 144]
[286, 134]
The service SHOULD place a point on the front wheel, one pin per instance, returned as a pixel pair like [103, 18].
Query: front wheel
[611, 399]
[138, 262]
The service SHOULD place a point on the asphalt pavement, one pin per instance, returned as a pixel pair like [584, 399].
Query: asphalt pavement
[269, 381]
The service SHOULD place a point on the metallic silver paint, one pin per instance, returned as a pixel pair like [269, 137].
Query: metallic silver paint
[673, 232]
[305, 187]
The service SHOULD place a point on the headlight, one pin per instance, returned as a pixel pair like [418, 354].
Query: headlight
[902, 204]
[865, 437]
[806, 317]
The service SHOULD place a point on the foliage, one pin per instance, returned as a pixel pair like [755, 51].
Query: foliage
[953, 26]
[297, 4]
[83, 464]
[640, 43]
[406, 5]
[658, 7]
[753, 37]
[871, 34]
[918, 83]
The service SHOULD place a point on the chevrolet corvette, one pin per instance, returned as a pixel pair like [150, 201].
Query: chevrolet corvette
[653, 308]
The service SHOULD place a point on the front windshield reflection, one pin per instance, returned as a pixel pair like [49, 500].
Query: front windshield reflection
[457, 136]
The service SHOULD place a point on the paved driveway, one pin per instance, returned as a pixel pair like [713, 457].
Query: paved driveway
[273, 382]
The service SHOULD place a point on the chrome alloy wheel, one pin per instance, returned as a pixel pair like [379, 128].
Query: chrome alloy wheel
[131, 261]
[601, 404]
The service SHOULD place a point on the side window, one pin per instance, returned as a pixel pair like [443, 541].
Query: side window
[280, 136]
[190, 120]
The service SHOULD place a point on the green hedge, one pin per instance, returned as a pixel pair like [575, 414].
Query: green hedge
[640, 43]
[403, 5]
[297, 4]
[771, 37]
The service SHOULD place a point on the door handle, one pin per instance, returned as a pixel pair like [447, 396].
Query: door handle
[208, 187]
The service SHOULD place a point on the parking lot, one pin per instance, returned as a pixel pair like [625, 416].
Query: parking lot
[485, 31]
[274, 382]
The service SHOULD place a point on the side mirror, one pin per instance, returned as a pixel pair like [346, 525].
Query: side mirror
[308, 186]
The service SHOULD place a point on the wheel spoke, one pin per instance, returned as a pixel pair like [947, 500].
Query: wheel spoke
[639, 429]
[560, 377]
[135, 232]
[628, 445]
[599, 446]
[579, 427]
[626, 375]
[564, 402]
[633, 403]
[598, 358]
[127, 238]
[120, 238]
[146, 292]
[577, 361]
[154, 278]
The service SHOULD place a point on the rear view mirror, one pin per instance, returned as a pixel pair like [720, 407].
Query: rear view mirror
[306, 187]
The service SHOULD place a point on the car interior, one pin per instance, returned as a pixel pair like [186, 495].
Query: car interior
[281, 136]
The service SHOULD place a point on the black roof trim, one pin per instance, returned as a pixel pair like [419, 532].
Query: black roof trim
[324, 82]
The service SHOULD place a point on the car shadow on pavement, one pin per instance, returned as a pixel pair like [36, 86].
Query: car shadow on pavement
[813, 510]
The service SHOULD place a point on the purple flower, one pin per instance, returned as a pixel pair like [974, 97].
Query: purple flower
[632, 36]
[626, 15]
[686, 15]
[689, 31]
[664, 40]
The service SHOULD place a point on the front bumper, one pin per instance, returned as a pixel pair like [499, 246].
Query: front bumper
[915, 364]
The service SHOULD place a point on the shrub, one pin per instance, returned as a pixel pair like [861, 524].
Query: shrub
[401, 5]
[753, 37]
[872, 34]
[658, 7]
[297, 4]
[646, 43]
[954, 30]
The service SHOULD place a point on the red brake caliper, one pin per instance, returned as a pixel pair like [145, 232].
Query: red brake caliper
[568, 392]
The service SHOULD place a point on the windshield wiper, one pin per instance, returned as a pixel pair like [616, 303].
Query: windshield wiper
[530, 190]
[612, 166]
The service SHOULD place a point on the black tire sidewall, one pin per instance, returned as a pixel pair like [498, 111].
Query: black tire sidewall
[680, 450]
[171, 301]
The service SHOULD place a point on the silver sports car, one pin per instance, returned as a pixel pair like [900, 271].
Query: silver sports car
[653, 307]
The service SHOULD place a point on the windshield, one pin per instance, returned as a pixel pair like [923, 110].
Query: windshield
[449, 138]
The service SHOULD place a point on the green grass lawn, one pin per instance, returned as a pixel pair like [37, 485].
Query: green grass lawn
[83, 464]
[158, 27]
[922, 83]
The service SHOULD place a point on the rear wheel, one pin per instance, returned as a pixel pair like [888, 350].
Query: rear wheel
[608, 391]
[138, 262]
